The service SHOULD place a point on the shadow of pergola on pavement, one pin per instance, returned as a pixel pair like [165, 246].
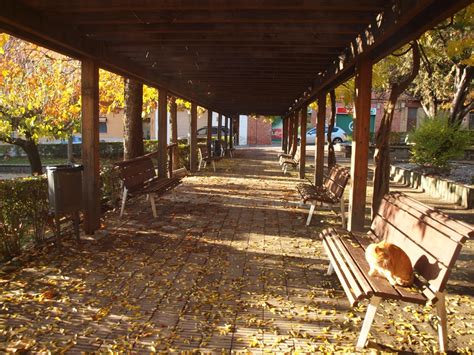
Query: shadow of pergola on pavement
[227, 265]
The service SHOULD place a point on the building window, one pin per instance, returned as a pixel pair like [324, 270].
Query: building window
[471, 120]
[102, 127]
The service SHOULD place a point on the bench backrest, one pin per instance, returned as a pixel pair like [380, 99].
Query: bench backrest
[336, 180]
[430, 238]
[135, 172]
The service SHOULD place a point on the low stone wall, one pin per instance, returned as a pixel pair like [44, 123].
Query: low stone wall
[402, 152]
[450, 191]
[16, 169]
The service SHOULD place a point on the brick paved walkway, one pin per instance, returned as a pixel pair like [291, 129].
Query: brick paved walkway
[228, 265]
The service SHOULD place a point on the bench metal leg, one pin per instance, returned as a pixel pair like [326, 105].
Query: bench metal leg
[310, 214]
[369, 318]
[343, 213]
[124, 199]
[153, 206]
[442, 322]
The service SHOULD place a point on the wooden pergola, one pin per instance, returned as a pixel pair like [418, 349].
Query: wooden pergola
[267, 57]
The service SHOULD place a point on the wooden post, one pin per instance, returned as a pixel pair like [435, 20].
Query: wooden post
[209, 132]
[90, 145]
[162, 132]
[294, 145]
[303, 120]
[319, 152]
[174, 130]
[193, 139]
[226, 130]
[237, 129]
[219, 127]
[360, 146]
[290, 133]
[231, 133]
[284, 134]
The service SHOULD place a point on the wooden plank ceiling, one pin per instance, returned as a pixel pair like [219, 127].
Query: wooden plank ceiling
[266, 57]
[232, 56]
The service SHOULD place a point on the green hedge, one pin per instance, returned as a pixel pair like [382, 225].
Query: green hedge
[23, 213]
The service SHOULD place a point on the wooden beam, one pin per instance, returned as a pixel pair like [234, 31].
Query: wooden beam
[226, 125]
[219, 127]
[320, 138]
[303, 121]
[294, 144]
[397, 26]
[231, 132]
[186, 6]
[360, 146]
[193, 139]
[90, 145]
[31, 25]
[290, 133]
[284, 134]
[174, 130]
[209, 133]
[162, 132]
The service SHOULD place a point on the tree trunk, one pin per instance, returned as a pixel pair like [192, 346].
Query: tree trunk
[174, 131]
[463, 82]
[70, 156]
[133, 125]
[31, 150]
[382, 141]
[332, 120]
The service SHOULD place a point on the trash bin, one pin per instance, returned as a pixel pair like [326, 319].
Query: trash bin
[65, 193]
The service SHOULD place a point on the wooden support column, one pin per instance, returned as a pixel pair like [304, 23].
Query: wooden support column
[360, 146]
[209, 132]
[90, 145]
[319, 152]
[290, 133]
[219, 127]
[226, 131]
[294, 144]
[162, 132]
[284, 134]
[303, 121]
[231, 133]
[193, 139]
[174, 130]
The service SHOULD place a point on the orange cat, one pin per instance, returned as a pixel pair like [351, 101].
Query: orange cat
[388, 260]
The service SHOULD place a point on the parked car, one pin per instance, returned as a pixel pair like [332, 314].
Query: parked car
[202, 132]
[338, 135]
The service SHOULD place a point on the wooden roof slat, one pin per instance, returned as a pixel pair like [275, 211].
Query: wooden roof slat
[263, 53]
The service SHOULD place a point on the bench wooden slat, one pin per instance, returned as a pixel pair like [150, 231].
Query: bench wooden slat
[440, 245]
[431, 240]
[352, 279]
[353, 261]
[341, 276]
[423, 262]
[462, 229]
[380, 285]
[438, 233]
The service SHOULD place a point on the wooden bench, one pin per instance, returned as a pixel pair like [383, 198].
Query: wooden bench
[330, 193]
[139, 178]
[431, 240]
[287, 160]
[204, 159]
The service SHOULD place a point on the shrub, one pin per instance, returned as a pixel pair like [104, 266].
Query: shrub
[23, 213]
[110, 186]
[435, 142]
